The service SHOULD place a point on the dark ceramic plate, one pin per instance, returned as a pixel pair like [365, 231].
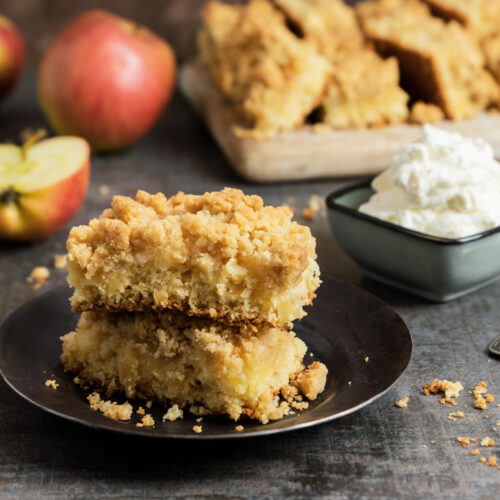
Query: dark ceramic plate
[345, 326]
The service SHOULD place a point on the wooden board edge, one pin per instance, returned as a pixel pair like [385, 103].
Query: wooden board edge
[304, 154]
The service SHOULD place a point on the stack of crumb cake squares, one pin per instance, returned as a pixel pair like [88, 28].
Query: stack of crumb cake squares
[189, 301]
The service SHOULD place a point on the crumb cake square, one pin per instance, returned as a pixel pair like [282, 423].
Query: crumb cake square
[364, 92]
[440, 63]
[193, 363]
[222, 255]
[364, 89]
[271, 77]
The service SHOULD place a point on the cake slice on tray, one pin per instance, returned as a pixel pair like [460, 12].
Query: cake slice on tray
[440, 63]
[269, 76]
[364, 88]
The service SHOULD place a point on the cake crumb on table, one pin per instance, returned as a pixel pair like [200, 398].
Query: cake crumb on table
[51, 383]
[239, 428]
[308, 214]
[403, 402]
[38, 276]
[314, 206]
[464, 441]
[173, 413]
[103, 189]
[492, 461]
[141, 411]
[483, 460]
[198, 429]
[450, 389]
[146, 421]
[487, 441]
[60, 261]
[149, 404]
[199, 419]
[367, 359]
[475, 452]
[480, 404]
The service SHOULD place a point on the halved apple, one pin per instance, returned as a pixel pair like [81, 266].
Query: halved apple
[42, 186]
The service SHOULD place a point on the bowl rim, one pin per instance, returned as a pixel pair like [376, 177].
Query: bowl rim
[332, 204]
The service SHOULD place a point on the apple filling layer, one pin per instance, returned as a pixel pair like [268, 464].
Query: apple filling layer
[221, 255]
[195, 363]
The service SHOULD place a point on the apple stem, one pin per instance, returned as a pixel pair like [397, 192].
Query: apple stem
[32, 139]
[8, 196]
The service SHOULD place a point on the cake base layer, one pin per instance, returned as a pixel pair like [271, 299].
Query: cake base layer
[192, 362]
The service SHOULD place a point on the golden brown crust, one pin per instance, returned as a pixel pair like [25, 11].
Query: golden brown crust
[227, 317]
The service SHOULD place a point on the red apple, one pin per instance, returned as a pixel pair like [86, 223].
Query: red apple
[41, 186]
[106, 79]
[11, 55]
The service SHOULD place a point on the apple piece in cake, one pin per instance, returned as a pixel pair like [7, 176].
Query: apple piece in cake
[191, 362]
[440, 63]
[271, 77]
[222, 255]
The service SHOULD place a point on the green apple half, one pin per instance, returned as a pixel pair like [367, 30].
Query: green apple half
[41, 186]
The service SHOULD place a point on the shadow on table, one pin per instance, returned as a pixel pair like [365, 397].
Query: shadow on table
[305, 460]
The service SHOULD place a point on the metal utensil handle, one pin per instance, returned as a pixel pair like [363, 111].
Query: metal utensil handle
[494, 347]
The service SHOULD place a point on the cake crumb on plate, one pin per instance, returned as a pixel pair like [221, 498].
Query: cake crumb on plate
[146, 421]
[51, 383]
[173, 413]
[110, 409]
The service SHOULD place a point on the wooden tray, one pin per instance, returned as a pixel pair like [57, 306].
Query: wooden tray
[303, 153]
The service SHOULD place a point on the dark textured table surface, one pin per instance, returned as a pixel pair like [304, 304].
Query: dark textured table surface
[380, 451]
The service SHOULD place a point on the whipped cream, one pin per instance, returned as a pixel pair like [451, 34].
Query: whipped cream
[445, 185]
